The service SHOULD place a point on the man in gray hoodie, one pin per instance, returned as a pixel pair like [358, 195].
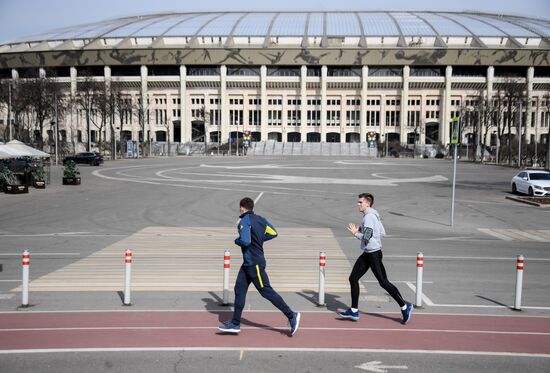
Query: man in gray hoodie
[370, 234]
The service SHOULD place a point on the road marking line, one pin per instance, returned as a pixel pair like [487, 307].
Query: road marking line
[33, 254]
[463, 258]
[275, 328]
[490, 306]
[258, 198]
[539, 233]
[527, 235]
[269, 349]
[491, 232]
[425, 298]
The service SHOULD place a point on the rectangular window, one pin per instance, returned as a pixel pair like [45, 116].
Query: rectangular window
[314, 102]
[215, 115]
[353, 118]
[235, 117]
[392, 118]
[413, 118]
[333, 117]
[254, 117]
[373, 117]
[274, 117]
[293, 117]
[314, 117]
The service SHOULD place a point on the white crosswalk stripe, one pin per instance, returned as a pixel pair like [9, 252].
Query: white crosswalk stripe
[518, 235]
[191, 259]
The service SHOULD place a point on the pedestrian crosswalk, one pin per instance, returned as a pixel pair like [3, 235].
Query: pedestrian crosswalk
[191, 259]
[518, 234]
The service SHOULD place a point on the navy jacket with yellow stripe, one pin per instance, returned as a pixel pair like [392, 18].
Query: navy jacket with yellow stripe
[253, 231]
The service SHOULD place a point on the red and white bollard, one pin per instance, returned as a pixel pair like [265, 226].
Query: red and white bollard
[226, 266]
[419, 273]
[25, 285]
[519, 282]
[322, 264]
[128, 264]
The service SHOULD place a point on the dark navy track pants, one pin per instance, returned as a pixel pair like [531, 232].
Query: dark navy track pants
[256, 275]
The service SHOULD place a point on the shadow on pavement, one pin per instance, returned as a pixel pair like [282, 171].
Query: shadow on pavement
[331, 300]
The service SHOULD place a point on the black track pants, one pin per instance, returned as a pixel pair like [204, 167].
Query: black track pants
[374, 262]
[257, 276]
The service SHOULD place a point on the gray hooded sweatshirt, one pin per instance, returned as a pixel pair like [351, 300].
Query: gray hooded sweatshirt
[371, 232]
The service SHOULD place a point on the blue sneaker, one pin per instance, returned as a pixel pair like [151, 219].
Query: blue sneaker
[407, 313]
[294, 323]
[349, 314]
[229, 327]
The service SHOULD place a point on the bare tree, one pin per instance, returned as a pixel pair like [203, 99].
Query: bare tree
[12, 93]
[42, 94]
[122, 108]
[514, 94]
[103, 109]
[484, 115]
[546, 122]
[87, 89]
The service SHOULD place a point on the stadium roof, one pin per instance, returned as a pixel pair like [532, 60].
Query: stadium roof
[305, 28]
[290, 38]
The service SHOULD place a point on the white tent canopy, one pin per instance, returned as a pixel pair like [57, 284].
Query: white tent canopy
[16, 149]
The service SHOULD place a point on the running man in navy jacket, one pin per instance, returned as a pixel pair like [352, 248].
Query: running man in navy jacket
[253, 231]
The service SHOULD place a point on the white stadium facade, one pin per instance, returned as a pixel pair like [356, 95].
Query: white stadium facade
[300, 76]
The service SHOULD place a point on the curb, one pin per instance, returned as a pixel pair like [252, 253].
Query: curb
[518, 199]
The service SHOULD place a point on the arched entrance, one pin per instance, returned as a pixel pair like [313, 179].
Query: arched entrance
[256, 136]
[353, 137]
[276, 136]
[411, 137]
[197, 131]
[333, 137]
[293, 137]
[160, 136]
[313, 137]
[215, 136]
[432, 133]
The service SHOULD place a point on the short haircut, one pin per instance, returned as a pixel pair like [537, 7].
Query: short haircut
[368, 197]
[247, 203]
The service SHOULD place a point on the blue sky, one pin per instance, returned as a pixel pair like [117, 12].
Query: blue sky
[19, 18]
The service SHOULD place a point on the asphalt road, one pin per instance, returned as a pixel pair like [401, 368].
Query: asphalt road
[469, 267]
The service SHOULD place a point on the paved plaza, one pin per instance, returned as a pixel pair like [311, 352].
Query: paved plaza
[179, 214]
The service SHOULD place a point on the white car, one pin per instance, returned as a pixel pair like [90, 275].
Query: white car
[532, 182]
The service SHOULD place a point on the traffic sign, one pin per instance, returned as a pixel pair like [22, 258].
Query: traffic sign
[455, 130]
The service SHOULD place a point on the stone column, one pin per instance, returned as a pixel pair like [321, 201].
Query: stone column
[263, 107]
[107, 78]
[404, 106]
[73, 81]
[145, 105]
[185, 125]
[324, 71]
[303, 106]
[363, 114]
[224, 104]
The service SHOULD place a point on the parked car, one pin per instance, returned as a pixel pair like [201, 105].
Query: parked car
[532, 182]
[91, 158]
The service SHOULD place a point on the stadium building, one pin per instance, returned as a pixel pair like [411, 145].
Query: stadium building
[297, 76]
